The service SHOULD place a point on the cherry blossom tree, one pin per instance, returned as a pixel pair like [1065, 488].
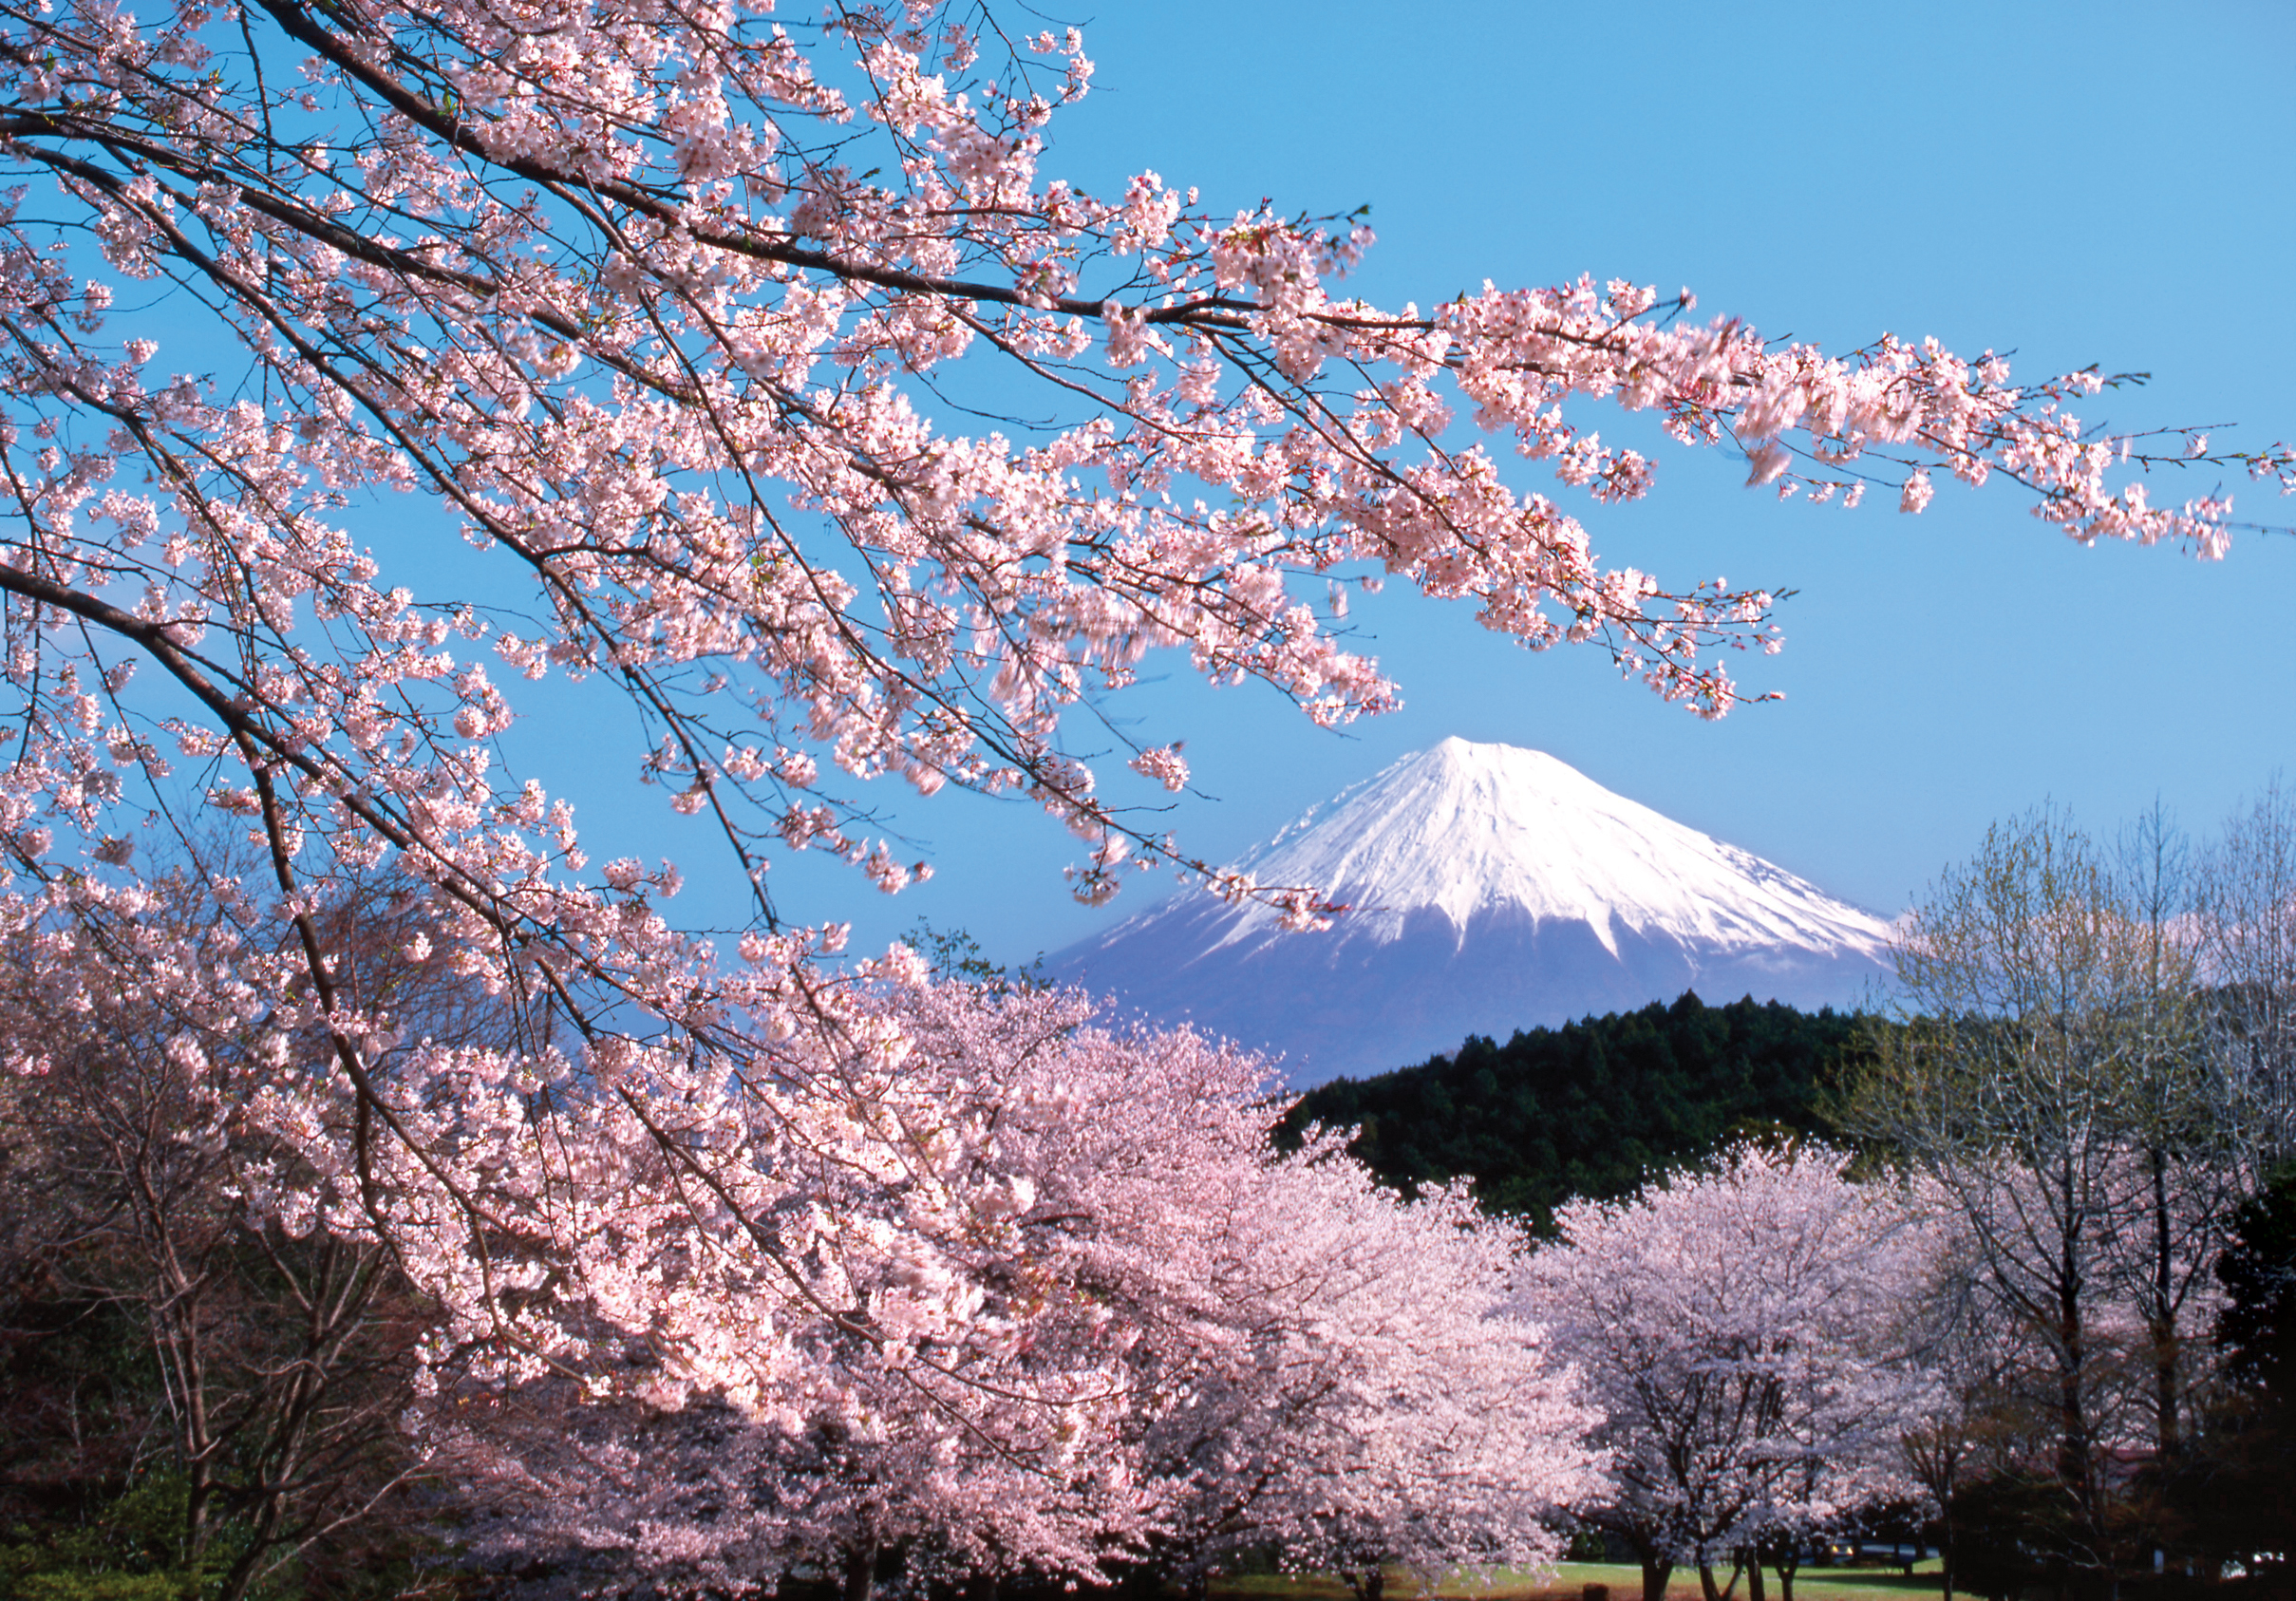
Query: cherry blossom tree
[891, 1345]
[1743, 1331]
[245, 1378]
[1245, 1350]
[921, 1337]
[628, 322]
[1382, 1405]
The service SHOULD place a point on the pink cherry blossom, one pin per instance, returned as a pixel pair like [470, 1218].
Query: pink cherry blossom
[634, 326]
[1748, 1333]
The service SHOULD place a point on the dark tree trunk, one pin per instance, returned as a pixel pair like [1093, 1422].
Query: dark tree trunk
[2074, 1468]
[1657, 1570]
[860, 1571]
[1705, 1579]
[2166, 1400]
[1751, 1561]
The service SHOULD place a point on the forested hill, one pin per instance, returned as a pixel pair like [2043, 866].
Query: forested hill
[1590, 1109]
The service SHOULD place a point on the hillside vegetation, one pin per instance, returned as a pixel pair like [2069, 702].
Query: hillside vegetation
[1591, 1108]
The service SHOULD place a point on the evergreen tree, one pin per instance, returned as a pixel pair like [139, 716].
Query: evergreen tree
[2238, 1500]
[1593, 1108]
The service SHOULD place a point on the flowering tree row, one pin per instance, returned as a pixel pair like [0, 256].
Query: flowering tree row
[1036, 1301]
[1048, 1304]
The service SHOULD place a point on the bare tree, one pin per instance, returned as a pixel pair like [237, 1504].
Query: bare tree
[2035, 1010]
[2245, 902]
[2184, 1109]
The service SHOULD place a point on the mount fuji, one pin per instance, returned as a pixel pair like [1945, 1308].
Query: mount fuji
[1489, 889]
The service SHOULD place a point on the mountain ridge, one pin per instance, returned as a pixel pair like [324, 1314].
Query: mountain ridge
[1489, 888]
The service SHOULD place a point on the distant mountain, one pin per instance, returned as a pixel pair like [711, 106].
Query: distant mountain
[1489, 889]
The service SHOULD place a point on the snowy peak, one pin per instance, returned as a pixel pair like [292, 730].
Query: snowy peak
[1488, 889]
[1468, 830]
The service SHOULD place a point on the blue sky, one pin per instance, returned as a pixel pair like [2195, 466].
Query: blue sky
[2089, 183]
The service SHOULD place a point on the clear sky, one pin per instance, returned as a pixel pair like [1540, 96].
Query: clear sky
[2075, 182]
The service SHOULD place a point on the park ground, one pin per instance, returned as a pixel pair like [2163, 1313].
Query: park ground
[1568, 1581]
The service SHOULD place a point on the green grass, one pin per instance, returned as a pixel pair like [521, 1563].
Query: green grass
[1567, 1581]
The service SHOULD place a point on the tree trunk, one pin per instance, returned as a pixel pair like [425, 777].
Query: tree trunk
[1705, 1579]
[2165, 1352]
[1751, 1561]
[1657, 1570]
[1789, 1563]
[860, 1571]
[2073, 1465]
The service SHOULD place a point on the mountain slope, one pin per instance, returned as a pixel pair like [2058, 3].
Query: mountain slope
[1489, 889]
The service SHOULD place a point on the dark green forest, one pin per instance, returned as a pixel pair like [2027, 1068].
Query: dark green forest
[1593, 1108]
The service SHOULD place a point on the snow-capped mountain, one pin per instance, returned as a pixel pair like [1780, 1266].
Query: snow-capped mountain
[1489, 888]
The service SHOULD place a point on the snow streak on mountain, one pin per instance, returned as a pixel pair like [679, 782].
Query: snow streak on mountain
[1489, 888]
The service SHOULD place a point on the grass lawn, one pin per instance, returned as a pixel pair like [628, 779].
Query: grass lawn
[1566, 1581]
